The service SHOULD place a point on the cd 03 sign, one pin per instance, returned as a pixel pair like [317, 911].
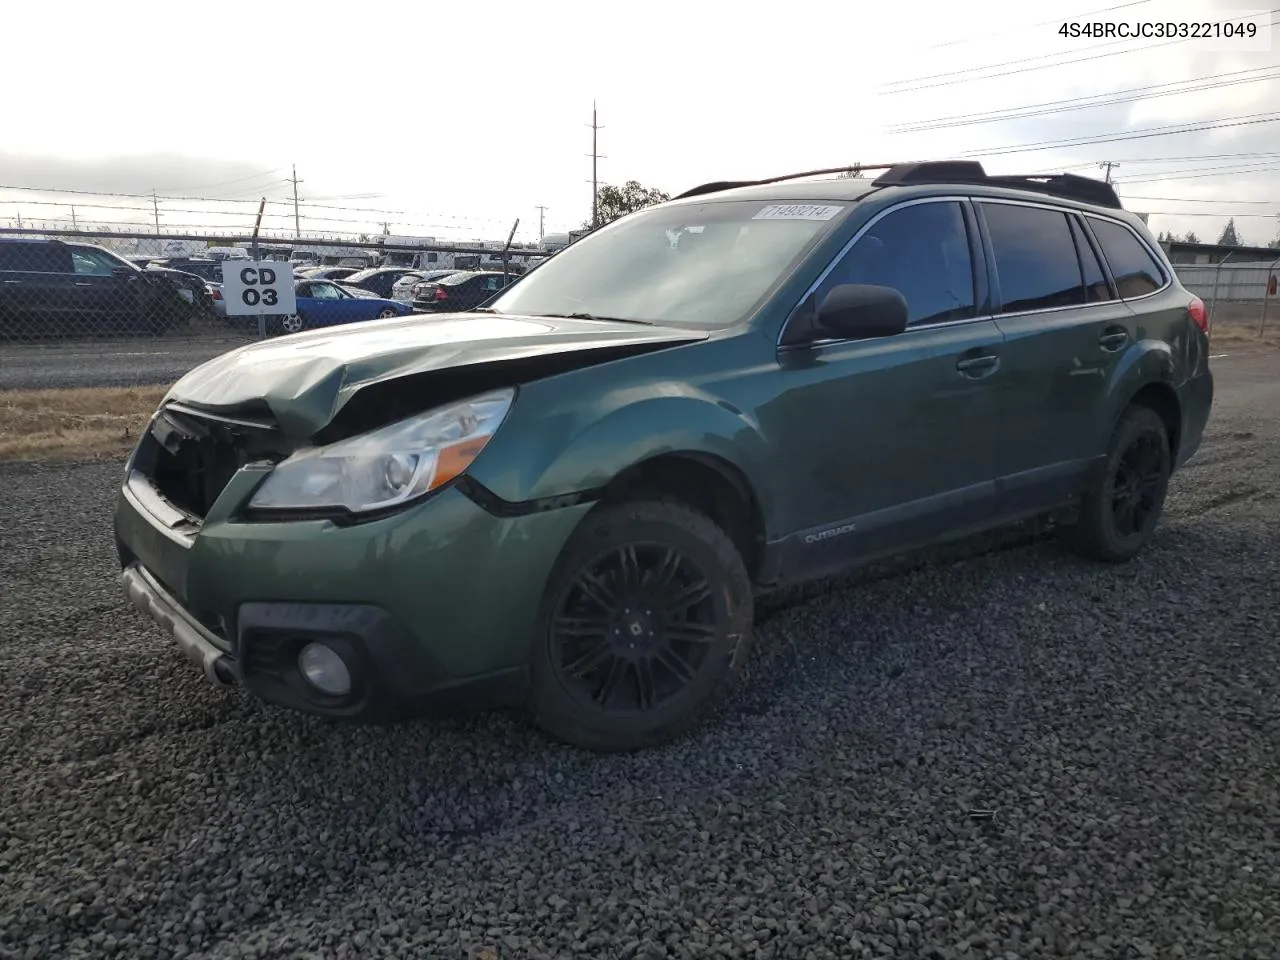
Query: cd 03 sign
[258, 288]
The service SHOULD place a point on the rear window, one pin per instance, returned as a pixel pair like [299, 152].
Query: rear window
[454, 279]
[34, 257]
[1136, 271]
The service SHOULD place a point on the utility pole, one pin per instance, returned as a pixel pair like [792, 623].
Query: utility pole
[155, 207]
[595, 182]
[1107, 165]
[297, 223]
[73, 218]
[542, 234]
[19, 212]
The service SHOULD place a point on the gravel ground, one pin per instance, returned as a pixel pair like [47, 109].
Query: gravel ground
[107, 363]
[999, 751]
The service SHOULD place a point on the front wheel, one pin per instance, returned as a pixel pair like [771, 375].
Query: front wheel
[387, 314]
[646, 624]
[1120, 514]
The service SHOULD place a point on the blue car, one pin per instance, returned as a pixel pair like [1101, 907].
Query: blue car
[325, 304]
[320, 303]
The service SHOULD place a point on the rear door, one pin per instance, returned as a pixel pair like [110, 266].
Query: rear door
[1064, 331]
[893, 440]
[36, 289]
[105, 302]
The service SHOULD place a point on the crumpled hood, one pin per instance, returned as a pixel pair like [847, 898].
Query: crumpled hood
[306, 378]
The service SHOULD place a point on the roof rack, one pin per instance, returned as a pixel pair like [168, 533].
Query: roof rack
[1065, 185]
[718, 185]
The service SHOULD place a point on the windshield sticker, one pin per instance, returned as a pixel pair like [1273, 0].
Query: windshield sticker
[797, 211]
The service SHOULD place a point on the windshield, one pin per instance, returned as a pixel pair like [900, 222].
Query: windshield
[701, 265]
[362, 275]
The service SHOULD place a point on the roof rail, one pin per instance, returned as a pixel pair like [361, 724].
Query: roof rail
[718, 185]
[1065, 185]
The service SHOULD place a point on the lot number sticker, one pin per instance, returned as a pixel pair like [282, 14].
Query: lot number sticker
[256, 288]
[797, 211]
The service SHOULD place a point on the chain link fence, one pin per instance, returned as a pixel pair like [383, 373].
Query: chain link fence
[86, 308]
[1242, 298]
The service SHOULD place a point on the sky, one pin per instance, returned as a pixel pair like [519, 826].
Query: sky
[452, 123]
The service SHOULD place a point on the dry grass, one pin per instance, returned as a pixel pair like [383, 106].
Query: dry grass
[1237, 324]
[82, 424]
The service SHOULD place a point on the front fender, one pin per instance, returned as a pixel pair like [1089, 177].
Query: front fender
[582, 448]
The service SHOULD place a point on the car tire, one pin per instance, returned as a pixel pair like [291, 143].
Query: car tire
[387, 314]
[1120, 513]
[650, 603]
[293, 323]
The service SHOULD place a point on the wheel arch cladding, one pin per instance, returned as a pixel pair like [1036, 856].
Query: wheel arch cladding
[1162, 400]
[707, 483]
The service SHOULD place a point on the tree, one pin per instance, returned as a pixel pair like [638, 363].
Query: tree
[614, 202]
[853, 173]
[1191, 237]
[1229, 238]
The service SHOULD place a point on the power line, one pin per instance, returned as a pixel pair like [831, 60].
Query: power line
[1164, 131]
[1127, 196]
[1028, 111]
[949, 79]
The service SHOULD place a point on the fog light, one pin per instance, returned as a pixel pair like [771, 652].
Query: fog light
[324, 669]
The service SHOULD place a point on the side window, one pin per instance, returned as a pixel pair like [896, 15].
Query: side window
[1095, 278]
[492, 283]
[325, 291]
[1136, 271]
[1035, 257]
[93, 262]
[433, 258]
[922, 251]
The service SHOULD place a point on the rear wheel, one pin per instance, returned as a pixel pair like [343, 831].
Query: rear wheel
[387, 314]
[647, 621]
[1119, 516]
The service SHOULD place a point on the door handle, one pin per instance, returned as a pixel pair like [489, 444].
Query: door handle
[978, 366]
[1114, 339]
[13, 281]
[84, 283]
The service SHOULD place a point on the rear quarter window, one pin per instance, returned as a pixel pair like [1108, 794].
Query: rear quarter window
[1136, 270]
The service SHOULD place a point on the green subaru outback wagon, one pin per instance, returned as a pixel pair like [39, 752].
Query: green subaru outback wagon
[567, 499]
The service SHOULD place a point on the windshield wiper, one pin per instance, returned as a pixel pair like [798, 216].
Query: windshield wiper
[592, 316]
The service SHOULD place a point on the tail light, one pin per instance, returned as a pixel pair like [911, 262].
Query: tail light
[441, 294]
[1199, 316]
[215, 293]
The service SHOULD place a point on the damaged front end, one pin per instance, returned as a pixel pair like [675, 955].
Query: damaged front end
[189, 456]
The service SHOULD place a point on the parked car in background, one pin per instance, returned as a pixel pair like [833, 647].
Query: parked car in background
[360, 292]
[459, 291]
[377, 280]
[320, 303]
[402, 289]
[55, 288]
[330, 273]
[205, 267]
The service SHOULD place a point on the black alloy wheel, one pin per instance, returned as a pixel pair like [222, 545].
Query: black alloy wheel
[635, 627]
[646, 624]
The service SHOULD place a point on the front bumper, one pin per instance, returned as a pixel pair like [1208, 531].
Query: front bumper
[408, 601]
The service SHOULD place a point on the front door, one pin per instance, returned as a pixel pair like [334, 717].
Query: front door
[893, 440]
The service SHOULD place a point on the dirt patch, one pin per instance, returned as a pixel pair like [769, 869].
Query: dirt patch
[82, 424]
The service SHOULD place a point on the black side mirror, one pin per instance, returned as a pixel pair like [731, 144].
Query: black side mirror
[860, 311]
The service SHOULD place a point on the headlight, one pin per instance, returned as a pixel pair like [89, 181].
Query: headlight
[389, 466]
